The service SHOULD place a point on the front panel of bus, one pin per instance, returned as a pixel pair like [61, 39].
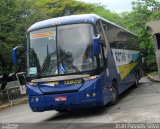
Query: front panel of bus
[65, 71]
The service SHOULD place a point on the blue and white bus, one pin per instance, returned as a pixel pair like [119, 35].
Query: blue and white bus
[79, 61]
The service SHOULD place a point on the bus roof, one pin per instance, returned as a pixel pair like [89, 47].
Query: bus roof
[72, 19]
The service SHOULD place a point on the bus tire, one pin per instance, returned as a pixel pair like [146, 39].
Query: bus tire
[137, 80]
[115, 95]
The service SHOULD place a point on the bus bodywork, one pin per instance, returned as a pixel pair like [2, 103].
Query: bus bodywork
[64, 71]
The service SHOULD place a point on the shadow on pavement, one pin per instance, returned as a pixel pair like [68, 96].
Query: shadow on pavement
[81, 113]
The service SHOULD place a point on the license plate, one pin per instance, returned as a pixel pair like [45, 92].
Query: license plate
[60, 99]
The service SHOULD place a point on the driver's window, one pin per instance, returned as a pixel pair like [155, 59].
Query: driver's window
[99, 31]
[102, 41]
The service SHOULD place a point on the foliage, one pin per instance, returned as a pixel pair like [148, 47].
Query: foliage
[107, 14]
[13, 15]
[18, 15]
[143, 11]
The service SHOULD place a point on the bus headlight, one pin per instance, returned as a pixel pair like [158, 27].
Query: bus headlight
[32, 99]
[93, 94]
[36, 99]
[88, 95]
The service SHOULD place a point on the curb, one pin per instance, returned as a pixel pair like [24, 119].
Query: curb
[152, 78]
[14, 103]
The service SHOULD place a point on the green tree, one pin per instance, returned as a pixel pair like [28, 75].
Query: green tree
[107, 14]
[13, 15]
[143, 12]
[18, 15]
[42, 10]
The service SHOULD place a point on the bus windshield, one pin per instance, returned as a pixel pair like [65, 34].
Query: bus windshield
[61, 50]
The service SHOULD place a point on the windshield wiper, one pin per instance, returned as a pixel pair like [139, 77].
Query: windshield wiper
[41, 69]
[72, 66]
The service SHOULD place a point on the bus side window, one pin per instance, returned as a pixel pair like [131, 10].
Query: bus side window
[132, 42]
[111, 35]
[113, 45]
[121, 45]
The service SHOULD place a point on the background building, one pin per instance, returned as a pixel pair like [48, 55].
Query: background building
[154, 28]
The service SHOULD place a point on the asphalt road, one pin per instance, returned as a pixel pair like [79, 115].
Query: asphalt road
[140, 105]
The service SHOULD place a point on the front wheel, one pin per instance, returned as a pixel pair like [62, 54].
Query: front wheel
[137, 80]
[115, 95]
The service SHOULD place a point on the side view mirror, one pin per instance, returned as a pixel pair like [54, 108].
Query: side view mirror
[15, 54]
[96, 45]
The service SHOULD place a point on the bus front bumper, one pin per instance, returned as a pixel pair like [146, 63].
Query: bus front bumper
[66, 101]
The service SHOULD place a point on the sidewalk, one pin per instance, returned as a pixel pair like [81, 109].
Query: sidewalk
[12, 96]
[154, 78]
[14, 102]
